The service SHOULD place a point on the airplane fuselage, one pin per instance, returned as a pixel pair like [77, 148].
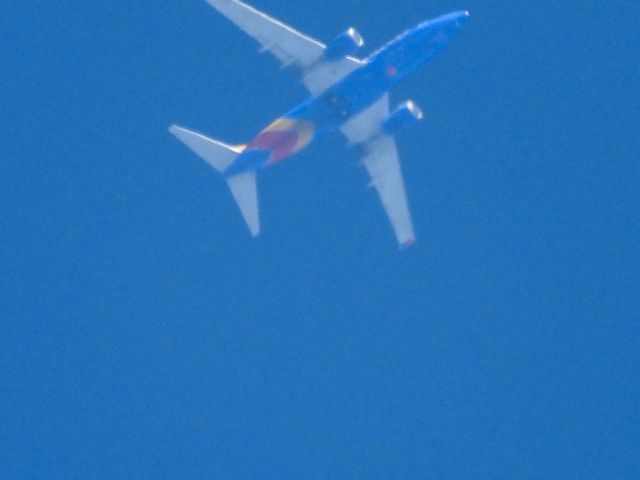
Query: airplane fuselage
[324, 113]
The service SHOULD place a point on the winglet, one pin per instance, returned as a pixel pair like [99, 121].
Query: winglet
[407, 244]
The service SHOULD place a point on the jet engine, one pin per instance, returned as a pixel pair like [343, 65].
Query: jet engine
[345, 44]
[406, 115]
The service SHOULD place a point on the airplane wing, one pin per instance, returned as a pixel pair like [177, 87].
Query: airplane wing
[289, 46]
[383, 165]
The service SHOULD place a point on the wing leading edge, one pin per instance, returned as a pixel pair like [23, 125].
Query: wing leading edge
[289, 46]
[383, 165]
[304, 53]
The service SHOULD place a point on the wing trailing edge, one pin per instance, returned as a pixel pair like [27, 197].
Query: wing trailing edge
[288, 45]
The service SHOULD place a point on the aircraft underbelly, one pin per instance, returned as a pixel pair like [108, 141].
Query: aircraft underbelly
[314, 117]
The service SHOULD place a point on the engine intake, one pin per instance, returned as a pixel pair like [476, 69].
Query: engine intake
[345, 44]
[406, 115]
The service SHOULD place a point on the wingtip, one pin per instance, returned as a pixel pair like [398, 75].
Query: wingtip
[407, 244]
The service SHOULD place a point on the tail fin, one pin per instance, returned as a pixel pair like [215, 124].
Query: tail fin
[220, 156]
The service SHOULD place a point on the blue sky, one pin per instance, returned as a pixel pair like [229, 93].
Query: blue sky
[144, 334]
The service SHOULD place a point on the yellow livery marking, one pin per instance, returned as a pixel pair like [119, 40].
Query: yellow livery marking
[280, 124]
[302, 128]
[305, 134]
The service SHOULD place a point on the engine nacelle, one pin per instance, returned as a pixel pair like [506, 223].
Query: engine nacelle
[345, 44]
[406, 115]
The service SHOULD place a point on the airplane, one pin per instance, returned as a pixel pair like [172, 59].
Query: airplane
[347, 93]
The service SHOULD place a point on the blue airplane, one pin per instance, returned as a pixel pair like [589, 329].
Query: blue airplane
[347, 93]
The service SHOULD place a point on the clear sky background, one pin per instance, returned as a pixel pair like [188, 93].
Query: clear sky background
[145, 335]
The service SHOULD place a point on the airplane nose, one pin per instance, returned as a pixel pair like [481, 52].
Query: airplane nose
[441, 30]
[454, 20]
[461, 17]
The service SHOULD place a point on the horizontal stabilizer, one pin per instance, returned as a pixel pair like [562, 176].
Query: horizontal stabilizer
[244, 191]
[220, 156]
[216, 154]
